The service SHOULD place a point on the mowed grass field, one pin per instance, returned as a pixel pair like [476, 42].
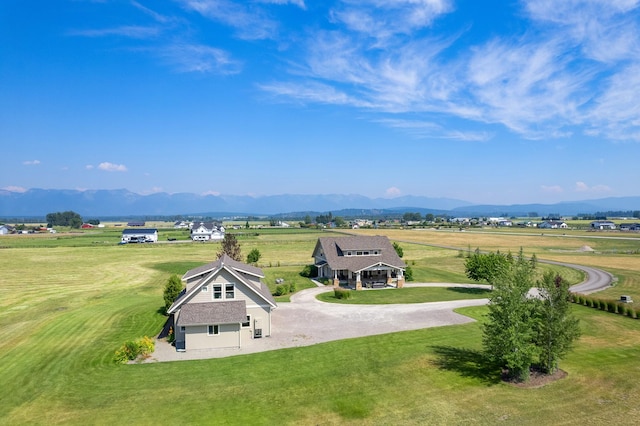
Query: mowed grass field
[65, 309]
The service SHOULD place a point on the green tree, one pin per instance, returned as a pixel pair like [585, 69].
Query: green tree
[508, 334]
[487, 267]
[230, 247]
[68, 218]
[339, 221]
[171, 291]
[398, 249]
[254, 256]
[307, 220]
[408, 273]
[556, 328]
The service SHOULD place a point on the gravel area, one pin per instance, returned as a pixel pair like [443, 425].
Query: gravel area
[307, 321]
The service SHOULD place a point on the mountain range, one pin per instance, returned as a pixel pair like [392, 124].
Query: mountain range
[123, 203]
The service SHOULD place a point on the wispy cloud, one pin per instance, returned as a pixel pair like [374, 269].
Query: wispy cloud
[31, 162]
[583, 187]
[130, 31]
[382, 19]
[249, 20]
[187, 57]
[215, 193]
[545, 83]
[111, 167]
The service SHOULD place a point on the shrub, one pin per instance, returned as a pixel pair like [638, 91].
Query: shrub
[341, 293]
[613, 307]
[133, 349]
[592, 303]
[596, 303]
[282, 289]
[292, 287]
[309, 271]
[408, 274]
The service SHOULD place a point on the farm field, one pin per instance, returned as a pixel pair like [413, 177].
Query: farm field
[67, 304]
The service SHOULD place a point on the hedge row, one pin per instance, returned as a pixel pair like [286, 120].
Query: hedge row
[607, 305]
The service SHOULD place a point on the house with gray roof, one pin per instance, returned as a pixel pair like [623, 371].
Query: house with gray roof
[207, 231]
[357, 261]
[224, 304]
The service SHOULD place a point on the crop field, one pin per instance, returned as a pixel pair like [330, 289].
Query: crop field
[68, 301]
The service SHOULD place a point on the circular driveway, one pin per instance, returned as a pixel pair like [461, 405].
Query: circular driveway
[306, 321]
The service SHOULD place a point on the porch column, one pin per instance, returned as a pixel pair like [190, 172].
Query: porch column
[389, 279]
[400, 279]
[336, 281]
[358, 281]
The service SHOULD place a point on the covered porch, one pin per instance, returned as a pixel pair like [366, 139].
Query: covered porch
[376, 276]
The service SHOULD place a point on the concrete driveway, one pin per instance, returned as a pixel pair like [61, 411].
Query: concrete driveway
[306, 321]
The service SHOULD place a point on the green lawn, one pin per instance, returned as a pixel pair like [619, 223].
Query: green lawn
[65, 309]
[407, 295]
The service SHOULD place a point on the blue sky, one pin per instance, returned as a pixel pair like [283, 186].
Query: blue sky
[496, 101]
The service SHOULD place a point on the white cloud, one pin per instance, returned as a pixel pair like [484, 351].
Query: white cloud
[249, 21]
[382, 19]
[393, 192]
[583, 187]
[89, 167]
[130, 31]
[199, 58]
[31, 162]
[216, 193]
[14, 189]
[110, 167]
[299, 3]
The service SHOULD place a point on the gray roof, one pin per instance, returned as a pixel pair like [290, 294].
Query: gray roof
[334, 249]
[229, 262]
[140, 231]
[238, 269]
[212, 313]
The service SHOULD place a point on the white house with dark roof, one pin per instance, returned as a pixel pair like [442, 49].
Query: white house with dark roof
[144, 235]
[207, 231]
[224, 304]
[359, 261]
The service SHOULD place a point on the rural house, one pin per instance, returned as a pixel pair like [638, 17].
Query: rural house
[144, 235]
[603, 224]
[358, 261]
[224, 304]
[207, 231]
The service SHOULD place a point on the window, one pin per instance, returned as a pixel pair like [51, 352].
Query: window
[229, 291]
[247, 322]
[217, 291]
[214, 330]
[205, 288]
[358, 253]
[182, 328]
